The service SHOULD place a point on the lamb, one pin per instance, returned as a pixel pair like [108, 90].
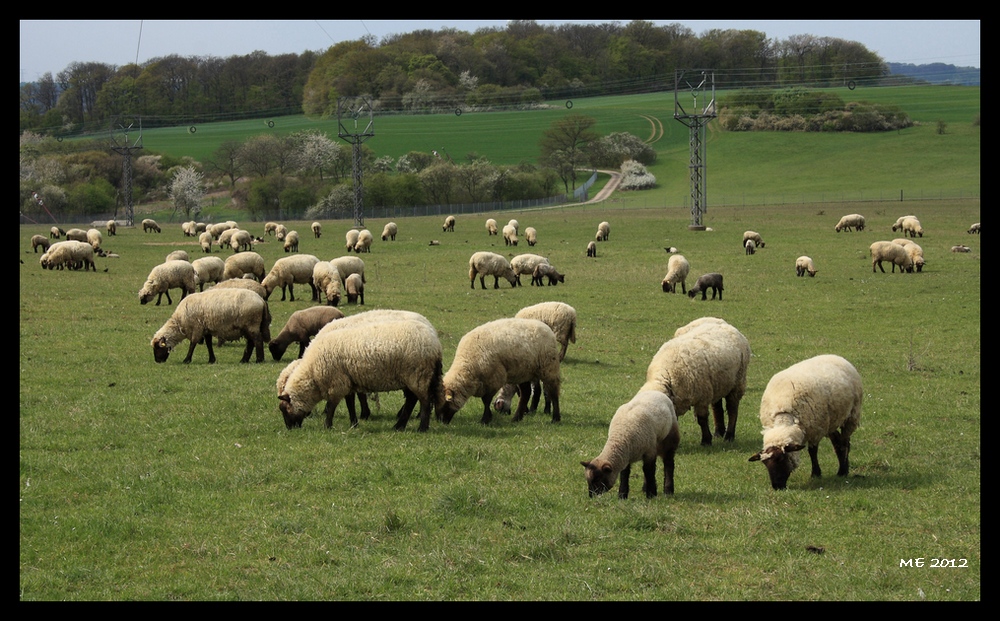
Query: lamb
[241, 240]
[803, 404]
[531, 235]
[112, 227]
[389, 231]
[974, 229]
[55, 232]
[804, 264]
[705, 282]
[916, 255]
[352, 239]
[503, 351]
[894, 253]
[326, 279]
[961, 248]
[71, 253]
[751, 246]
[349, 265]
[175, 274]
[362, 357]
[449, 224]
[854, 220]
[677, 272]
[526, 264]
[270, 228]
[491, 227]
[229, 314]
[603, 231]
[150, 225]
[292, 241]
[755, 236]
[178, 255]
[486, 264]
[355, 289]
[317, 229]
[591, 249]
[364, 242]
[642, 429]
[301, 327]
[243, 263]
[705, 362]
[911, 226]
[77, 235]
[39, 240]
[509, 236]
[288, 271]
[205, 239]
[558, 316]
[545, 270]
[208, 269]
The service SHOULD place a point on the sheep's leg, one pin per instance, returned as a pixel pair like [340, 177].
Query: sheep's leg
[302, 347]
[315, 292]
[365, 410]
[487, 414]
[623, 482]
[331, 407]
[720, 419]
[814, 457]
[701, 413]
[552, 398]
[425, 415]
[524, 395]
[409, 401]
[683, 288]
[496, 282]
[842, 445]
[536, 394]
[482, 282]
[649, 477]
[666, 451]
[194, 343]
[733, 407]
[291, 292]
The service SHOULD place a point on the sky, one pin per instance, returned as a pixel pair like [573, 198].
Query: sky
[49, 46]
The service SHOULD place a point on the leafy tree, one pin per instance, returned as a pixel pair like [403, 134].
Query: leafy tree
[227, 161]
[564, 144]
[186, 191]
[438, 182]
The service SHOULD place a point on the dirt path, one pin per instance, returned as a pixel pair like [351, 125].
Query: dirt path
[608, 189]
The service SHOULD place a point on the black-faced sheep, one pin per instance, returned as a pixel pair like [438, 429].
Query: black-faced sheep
[898, 225]
[39, 240]
[804, 264]
[364, 241]
[677, 272]
[705, 282]
[150, 225]
[95, 239]
[491, 227]
[705, 363]
[290, 271]
[851, 221]
[526, 264]
[351, 237]
[188, 228]
[894, 253]
[641, 430]
[317, 229]
[485, 264]
[70, 254]
[280, 232]
[603, 232]
[243, 263]
[112, 227]
[961, 248]
[242, 240]
[558, 316]
[162, 278]
[248, 284]
[228, 314]
[814, 399]
[546, 271]
[591, 249]
[916, 256]
[55, 232]
[449, 224]
[208, 269]
[355, 289]
[911, 226]
[326, 278]
[77, 235]
[389, 231]
[509, 236]
[755, 236]
[301, 327]
[974, 228]
[349, 265]
[531, 235]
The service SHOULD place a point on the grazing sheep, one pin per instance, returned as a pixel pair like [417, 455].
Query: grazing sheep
[56, 232]
[703, 364]
[208, 269]
[112, 227]
[898, 225]
[544, 270]
[352, 239]
[974, 228]
[174, 274]
[326, 279]
[509, 236]
[188, 228]
[280, 232]
[228, 314]
[270, 228]
[364, 242]
[77, 235]
[705, 282]
[503, 351]
[911, 227]
[218, 229]
[591, 249]
[317, 229]
[916, 255]
[289, 271]
[894, 253]
[355, 289]
[751, 246]
[642, 429]
[292, 241]
[301, 327]
[363, 357]
[449, 224]
[486, 264]
[389, 231]
[349, 265]
[531, 235]
[205, 239]
[39, 240]
[71, 253]
[677, 272]
[491, 227]
[603, 232]
[150, 225]
[816, 398]
[243, 283]
[526, 264]
[558, 316]
[851, 221]
[178, 255]
[241, 240]
[961, 248]
[514, 223]
[670, 249]
[804, 264]
[755, 236]
[243, 263]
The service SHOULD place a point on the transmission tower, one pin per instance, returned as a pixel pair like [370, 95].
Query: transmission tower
[695, 82]
[121, 143]
[354, 109]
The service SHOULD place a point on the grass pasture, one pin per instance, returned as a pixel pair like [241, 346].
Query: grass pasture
[140, 481]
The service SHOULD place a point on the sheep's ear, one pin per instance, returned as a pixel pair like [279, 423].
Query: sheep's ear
[284, 397]
[755, 457]
[791, 448]
[585, 464]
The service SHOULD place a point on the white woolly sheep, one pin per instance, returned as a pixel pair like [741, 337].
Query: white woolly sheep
[39, 240]
[503, 351]
[677, 272]
[208, 269]
[175, 274]
[916, 256]
[531, 235]
[290, 271]
[317, 229]
[705, 363]
[509, 236]
[755, 236]
[349, 265]
[112, 227]
[603, 232]
[352, 239]
[641, 430]
[77, 235]
[974, 228]
[514, 223]
[961, 248]
[751, 246]
[243, 283]
[492, 264]
[526, 264]
[326, 279]
[364, 244]
[894, 253]
[292, 241]
[243, 263]
[218, 229]
[898, 225]
[449, 224]
[301, 327]
[55, 232]
[491, 227]
[188, 228]
[545, 270]
[280, 232]
[591, 249]
[70, 254]
[805, 264]
[241, 240]
[362, 357]
[811, 400]
[150, 225]
[851, 221]
[228, 314]
[205, 239]
[389, 231]
[225, 238]
[558, 316]
[178, 255]
[705, 282]
[911, 226]
[355, 289]
[270, 228]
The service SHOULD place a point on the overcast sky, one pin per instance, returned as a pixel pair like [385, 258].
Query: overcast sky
[50, 46]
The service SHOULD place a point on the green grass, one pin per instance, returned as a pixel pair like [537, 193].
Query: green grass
[140, 481]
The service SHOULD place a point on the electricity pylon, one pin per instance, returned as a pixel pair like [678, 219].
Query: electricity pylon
[695, 82]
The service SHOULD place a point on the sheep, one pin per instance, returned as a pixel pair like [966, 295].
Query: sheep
[70, 253]
[55, 232]
[288, 271]
[677, 272]
[389, 231]
[805, 264]
[531, 235]
[229, 314]
[916, 254]
[705, 282]
[449, 224]
[243, 263]
[545, 270]
[178, 255]
[150, 225]
[77, 235]
[854, 220]
[364, 241]
[300, 327]
[911, 226]
[205, 239]
[112, 227]
[208, 269]
[317, 229]
[803, 404]
[349, 265]
[898, 225]
[755, 236]
[292, 241]
[671, 250]
[243, 283]
[503, 351]
[486, 264]
[705, 362]
[352, 239]
[175, 274]
[751, 246]
[270, 228]
[39, 240]
[241, 240]
[509, 236]
[355, 289]
[326, 279]
[526, 264]
[362, 357]
[961, 248]
[491, 227]
[558, 316]
[188, 228]
[280, 232]
[603, 232]
[591, 249]
[974, 229]
[894, 253]
[642, 429]
[218, 229]
[514, 223]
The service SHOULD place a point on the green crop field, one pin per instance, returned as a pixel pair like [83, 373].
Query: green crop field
[144, 481]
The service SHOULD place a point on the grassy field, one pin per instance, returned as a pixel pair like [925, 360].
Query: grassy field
[180, 482]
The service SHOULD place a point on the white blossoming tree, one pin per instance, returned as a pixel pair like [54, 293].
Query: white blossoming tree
[186, 191]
